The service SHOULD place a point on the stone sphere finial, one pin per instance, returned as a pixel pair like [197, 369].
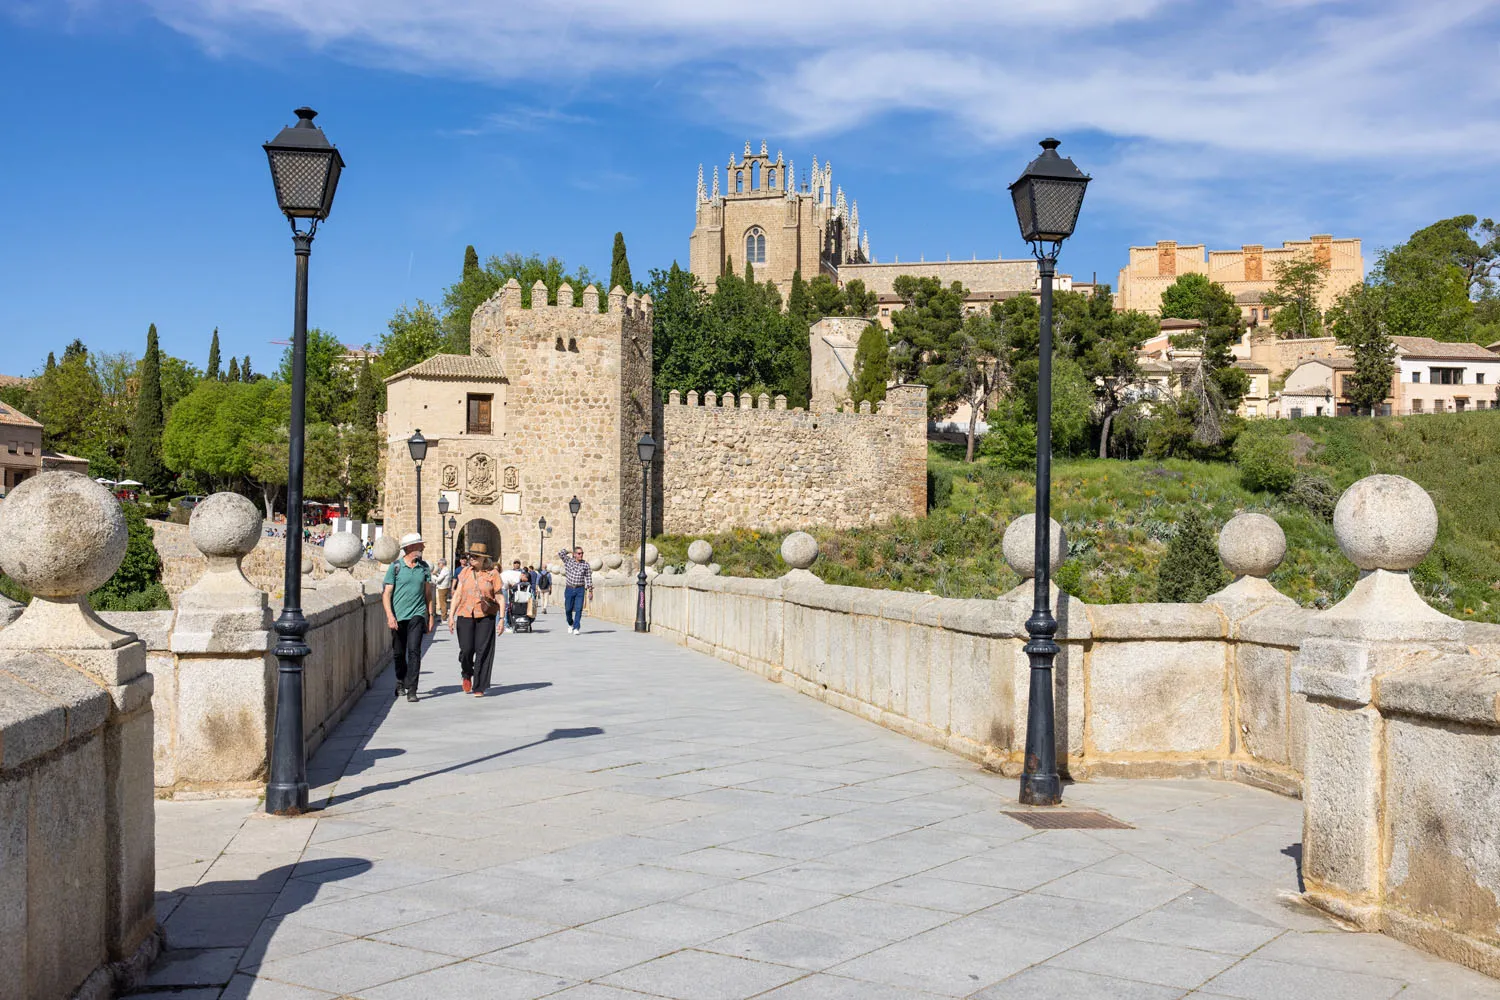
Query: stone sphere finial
[62, 535]
[700, 553]
[614, 560]
[1019, 545]
[1252, 545]
[385, 550]
[596, 564]
[226, 525]
[343, 549]
[799, 550]
[653, 554]
[1385, 522]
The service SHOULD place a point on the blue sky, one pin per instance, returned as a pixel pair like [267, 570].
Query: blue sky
[136, 192]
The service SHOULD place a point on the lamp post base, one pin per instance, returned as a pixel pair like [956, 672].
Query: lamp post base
[1041, 790]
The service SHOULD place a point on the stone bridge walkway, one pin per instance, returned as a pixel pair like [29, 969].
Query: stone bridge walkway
[624, 818]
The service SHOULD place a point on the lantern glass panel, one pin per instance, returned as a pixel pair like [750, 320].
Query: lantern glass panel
[1056, 203]
[301, 178]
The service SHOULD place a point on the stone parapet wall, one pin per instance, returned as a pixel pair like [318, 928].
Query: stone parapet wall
[182, 565]
[214, 708]
[765, 467]
[1156, 690]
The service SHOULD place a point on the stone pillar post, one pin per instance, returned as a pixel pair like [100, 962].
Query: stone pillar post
[63, 535]
[222, 640]
[1385, 526]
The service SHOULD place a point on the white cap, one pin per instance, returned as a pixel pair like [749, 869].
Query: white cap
[409, 540]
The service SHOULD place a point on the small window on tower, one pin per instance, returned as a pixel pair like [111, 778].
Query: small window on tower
[479, 413]
[771, 178]
[739, 182]
[755, 245]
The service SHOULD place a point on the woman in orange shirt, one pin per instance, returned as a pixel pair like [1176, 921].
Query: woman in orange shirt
[476, 601]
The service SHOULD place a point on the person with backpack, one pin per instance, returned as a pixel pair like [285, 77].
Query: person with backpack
[409, 612]
[543, 589]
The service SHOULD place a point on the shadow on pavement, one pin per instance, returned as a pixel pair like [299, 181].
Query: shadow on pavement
[215, 929]
[556, 734]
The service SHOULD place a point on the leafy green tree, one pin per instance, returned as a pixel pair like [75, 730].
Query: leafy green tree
[1468, 244]
[136, 584]
[68, 399]
[330, 384]
[1430, 281]
[234, 370]
[341, 464]
[921, 331]
[872, 367]
[412, 336]
[51, 361]
[471, 262]
[1360, 323]
[858, 300]
[143, 457]
[619, 267]
[246, 375]
[209, 432]
[827, 298]
[213, 357]
[178, 378]
[1190, 569]
[267, 444]
[1212, 388]
[1294, 298]
[476, 284]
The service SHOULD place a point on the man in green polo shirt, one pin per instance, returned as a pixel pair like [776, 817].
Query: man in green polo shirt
[409, 611]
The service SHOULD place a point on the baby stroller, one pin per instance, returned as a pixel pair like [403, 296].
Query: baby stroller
[520, 610]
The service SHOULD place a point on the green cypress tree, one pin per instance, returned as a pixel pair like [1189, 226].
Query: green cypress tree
[212, 371]
[619, 267]
[51, 361]
[798, 303]
[872, 367]
[366, 397]
[245, 373]
[234, 370]
[749, 273]
[1190, 569]
[143, 456]
[471, 263]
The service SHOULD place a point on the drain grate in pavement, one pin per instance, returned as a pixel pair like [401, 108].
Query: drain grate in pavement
[1069, 819]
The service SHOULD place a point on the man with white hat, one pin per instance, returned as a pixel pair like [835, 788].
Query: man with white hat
[409, 611]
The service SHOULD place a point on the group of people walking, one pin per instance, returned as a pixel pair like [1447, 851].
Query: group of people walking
[476, 600]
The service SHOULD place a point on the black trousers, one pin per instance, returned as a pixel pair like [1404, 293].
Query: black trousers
[476, 649]
[407, 651]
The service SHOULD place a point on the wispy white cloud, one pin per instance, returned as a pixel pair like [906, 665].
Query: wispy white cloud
[1321, 79]
[522, 120]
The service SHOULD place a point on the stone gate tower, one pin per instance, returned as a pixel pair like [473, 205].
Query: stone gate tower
[548, 404]
[765, 217]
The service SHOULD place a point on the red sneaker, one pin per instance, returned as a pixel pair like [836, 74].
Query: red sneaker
[468, 685]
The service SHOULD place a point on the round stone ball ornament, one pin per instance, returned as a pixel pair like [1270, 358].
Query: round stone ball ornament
[62, 535]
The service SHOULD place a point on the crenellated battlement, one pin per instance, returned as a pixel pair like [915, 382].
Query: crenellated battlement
[510, 299]
[901, 401]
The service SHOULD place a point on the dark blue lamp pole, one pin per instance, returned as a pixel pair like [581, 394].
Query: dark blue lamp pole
[645, 448]
[305, 170]
[1047, 199]
[574, 506]
[416, 445]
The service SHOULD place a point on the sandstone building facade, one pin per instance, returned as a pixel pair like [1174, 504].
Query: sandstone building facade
[763, 216]
[1246, 273]
[550, 402]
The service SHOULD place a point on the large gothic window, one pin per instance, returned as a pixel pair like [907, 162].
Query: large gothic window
[755, 245]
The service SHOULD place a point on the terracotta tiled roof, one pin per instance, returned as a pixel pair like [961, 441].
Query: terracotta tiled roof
[11, 415]
[1426, 347]
[1337, 364]
[1181, 324]
[1247, 298]
[453, 366]
[1251, 366]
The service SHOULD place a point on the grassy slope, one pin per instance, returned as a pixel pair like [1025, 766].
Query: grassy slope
[1118, 515]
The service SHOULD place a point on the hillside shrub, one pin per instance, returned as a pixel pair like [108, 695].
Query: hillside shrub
[939, 488]
[136, 585]
[1265, 462]
[1190, 569]
[1315, 494]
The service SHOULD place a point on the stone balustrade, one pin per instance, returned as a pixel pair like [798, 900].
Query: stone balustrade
[1382, 711]
[77, 806]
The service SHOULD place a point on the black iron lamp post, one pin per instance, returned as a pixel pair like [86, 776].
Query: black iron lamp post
[442, 524]
[417, 446]
[541, 541]
[645, 449]
[305, 170]
[1047, 199]
[574, 506]
[453, 534]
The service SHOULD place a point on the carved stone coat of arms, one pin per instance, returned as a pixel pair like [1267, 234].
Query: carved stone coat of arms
[481, 479]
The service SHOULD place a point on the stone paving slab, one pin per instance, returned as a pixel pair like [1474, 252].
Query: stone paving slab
[623, 819]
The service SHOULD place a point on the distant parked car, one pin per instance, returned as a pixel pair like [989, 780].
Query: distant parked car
[189, 502]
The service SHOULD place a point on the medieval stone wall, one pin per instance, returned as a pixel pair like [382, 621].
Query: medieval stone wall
[766, 468]
[571, 393]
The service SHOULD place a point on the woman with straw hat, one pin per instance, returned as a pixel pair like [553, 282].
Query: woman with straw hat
[475, 602]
